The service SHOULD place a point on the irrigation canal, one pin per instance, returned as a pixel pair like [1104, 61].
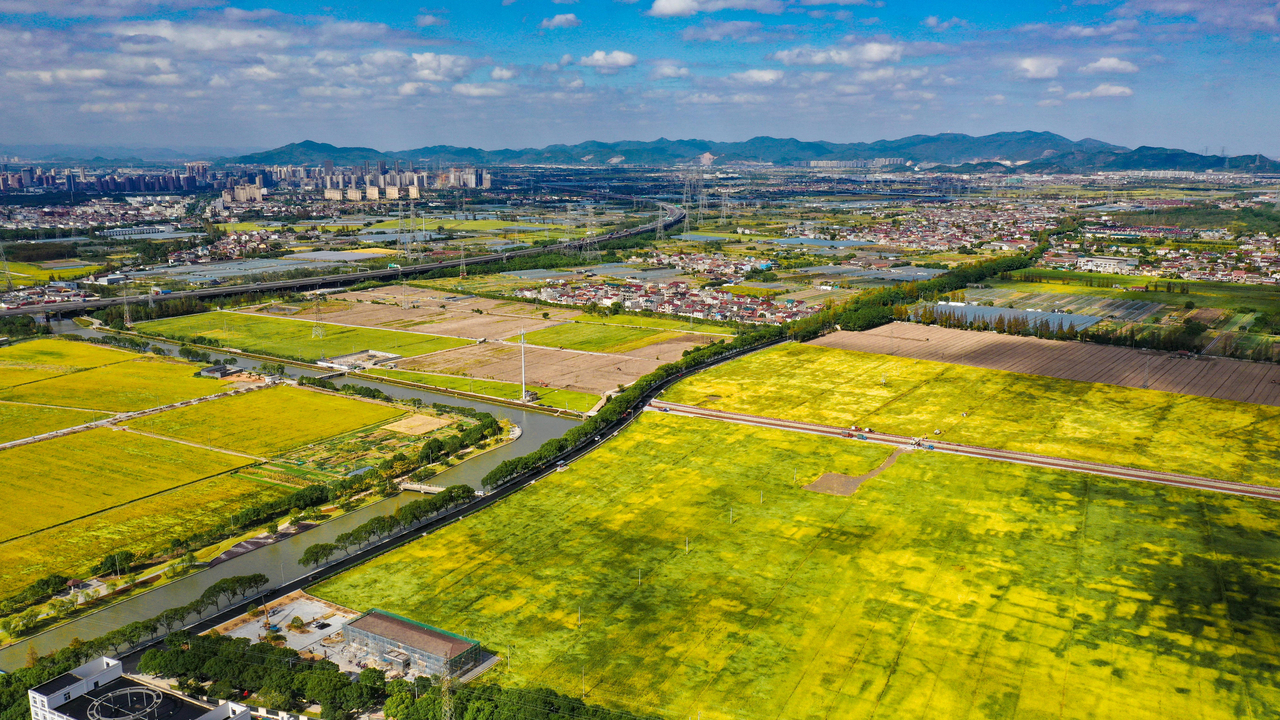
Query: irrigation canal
[279, 561]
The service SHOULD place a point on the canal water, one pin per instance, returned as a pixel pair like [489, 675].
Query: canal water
[279, 561]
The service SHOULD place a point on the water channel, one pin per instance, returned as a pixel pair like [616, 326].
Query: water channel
[279, 561]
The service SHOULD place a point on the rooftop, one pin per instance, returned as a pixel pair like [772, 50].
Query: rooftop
[414, 634]
[170, 706]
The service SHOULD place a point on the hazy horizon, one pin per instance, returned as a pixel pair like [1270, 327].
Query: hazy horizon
[530, 73]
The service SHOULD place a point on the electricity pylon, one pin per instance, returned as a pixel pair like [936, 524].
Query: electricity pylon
[317, 330]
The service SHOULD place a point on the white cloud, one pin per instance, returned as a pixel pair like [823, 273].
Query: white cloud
[478, 90]
[610, 62]
[891, 74]
[668, 69]
[565, 2]
[1118, 29]
[1039, 67]
[502, 73]
[1103, 90]
[685, 8]
[1049, 103]
[995, 99]
[434, 67]
[567, 20]
[99, 8]
[715, 31]
[1241, 14]
[852, 56]
[60, 76]
[415, 88]
[200, 38]
[426, 20]
[1109, 65]
[757, 77]
[933, 22]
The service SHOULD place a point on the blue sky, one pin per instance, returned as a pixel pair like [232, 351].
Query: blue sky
[515, 73]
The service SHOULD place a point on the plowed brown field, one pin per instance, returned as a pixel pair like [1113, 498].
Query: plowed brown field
[1206, 377]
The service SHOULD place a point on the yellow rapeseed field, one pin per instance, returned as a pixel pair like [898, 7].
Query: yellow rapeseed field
[946, 587]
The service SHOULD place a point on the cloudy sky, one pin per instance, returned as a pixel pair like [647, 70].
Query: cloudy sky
[515, 73]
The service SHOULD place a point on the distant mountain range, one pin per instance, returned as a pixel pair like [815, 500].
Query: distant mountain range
[1006, 152]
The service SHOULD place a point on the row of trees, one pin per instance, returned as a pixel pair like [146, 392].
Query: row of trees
[21, 326]
[379, 527]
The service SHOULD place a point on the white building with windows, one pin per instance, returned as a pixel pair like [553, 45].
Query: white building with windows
[99, 690]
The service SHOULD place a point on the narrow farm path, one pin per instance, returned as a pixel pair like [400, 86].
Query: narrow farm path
[1193, 482]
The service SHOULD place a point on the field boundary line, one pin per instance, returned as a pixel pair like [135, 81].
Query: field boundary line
[123, 504]
[188, 443]
[1011, 456]
[116, 418]
[410, 333]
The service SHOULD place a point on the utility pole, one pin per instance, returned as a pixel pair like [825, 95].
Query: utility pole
[446, 693]
[127, 320]
[8, 279]
[317, 330]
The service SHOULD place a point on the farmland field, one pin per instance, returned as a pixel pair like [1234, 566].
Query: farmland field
[49, 357]
[292, 339]
[266, 422]
[143, 526]
[1221, 378]
[24, 274]
[657, 323]
[549, 397]
[53, 481]
[142, 382]
[23, 421]
[1063, 418]
[946, 587]
[1203, 294]
[596, 338]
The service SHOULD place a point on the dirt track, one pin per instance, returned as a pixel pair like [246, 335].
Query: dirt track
[1206, 377]
[1192, 482]
[844, 485]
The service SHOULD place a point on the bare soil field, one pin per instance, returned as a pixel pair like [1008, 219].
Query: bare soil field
[455, 320]
[1206, 377]
[417, 424]
[583, 372]
[670, 350]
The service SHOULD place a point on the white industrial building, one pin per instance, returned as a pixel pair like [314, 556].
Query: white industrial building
[99, 690]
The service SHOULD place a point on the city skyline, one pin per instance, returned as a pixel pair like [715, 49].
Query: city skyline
[529, 73]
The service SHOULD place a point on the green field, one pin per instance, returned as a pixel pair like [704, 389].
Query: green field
[50, 357]
[1063, 418]
[1203, 294]
[23, 421]
[144, 526]
[946, 587]
[292, 339]
[548, 397]
[266, 422]
[24, 274]
[69, 477]
[657, 323]
[591, 337]
[142, 382]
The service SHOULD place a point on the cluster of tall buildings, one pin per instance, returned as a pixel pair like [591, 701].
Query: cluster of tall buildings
[832, 164]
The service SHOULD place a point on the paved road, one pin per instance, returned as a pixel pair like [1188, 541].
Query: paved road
[1023, 458]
